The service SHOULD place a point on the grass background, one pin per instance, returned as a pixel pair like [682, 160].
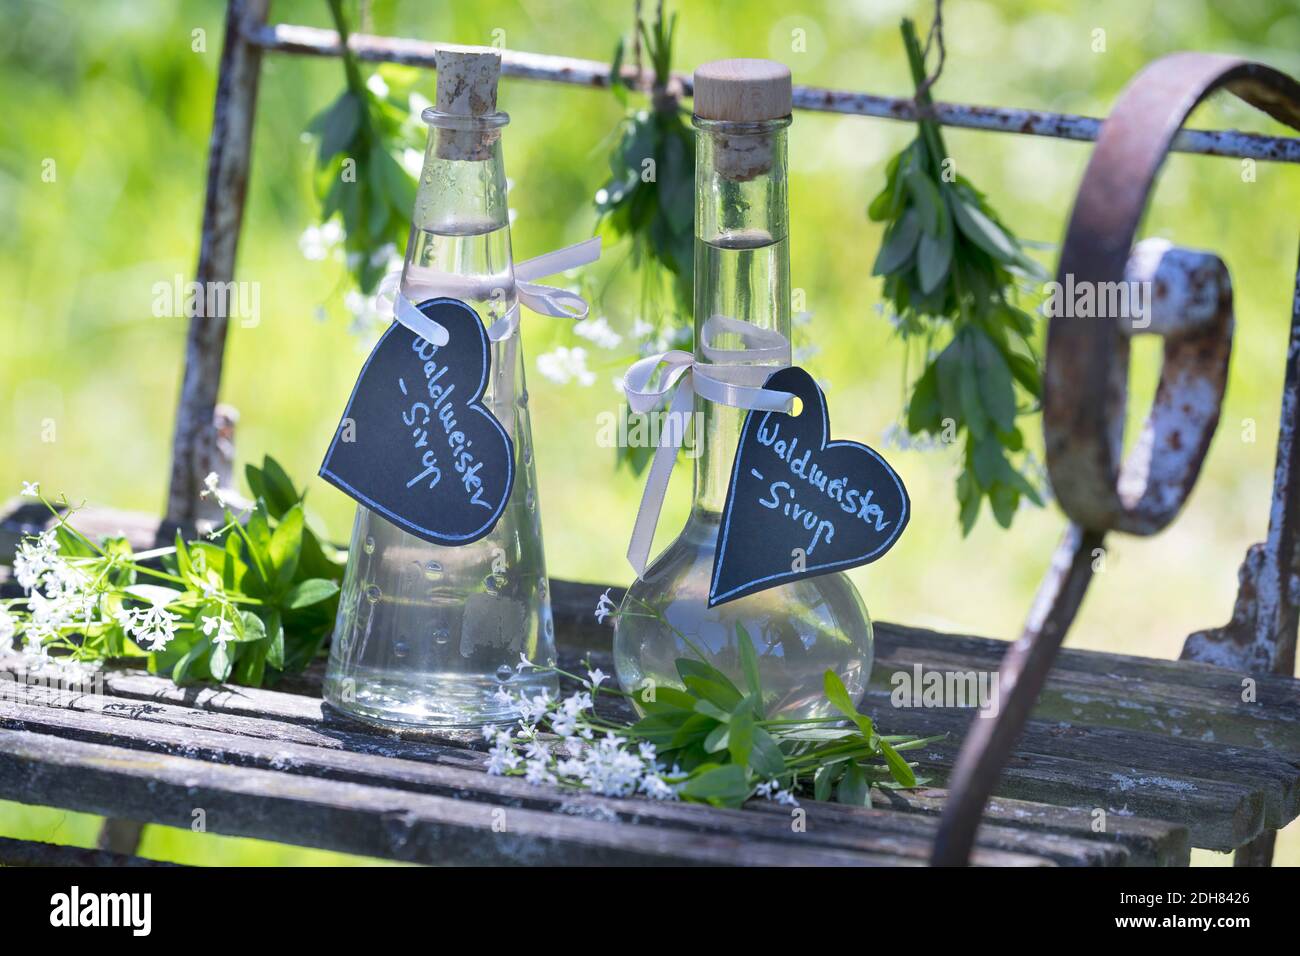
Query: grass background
[117, 97]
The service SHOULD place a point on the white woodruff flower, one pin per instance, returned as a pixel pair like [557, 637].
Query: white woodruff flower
[211, 486]
[225, 630]
[152, 628]
[31, 489]
[8, 627]
[604, 607]
[34, 557]
[598, 332]
[563, 365]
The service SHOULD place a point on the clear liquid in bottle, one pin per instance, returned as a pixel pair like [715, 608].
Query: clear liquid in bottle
[427, 636]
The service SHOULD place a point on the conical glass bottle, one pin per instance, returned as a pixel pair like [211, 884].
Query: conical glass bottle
[742, 270]
[427, 635]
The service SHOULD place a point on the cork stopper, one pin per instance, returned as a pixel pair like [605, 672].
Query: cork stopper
[743, 91]
[467, 86]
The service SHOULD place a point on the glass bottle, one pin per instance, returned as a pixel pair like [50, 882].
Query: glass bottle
[742, 270]
[427, 635]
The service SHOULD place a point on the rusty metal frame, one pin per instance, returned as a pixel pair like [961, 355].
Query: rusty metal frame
[195, 440]
[1087, 358]
[1085, 395]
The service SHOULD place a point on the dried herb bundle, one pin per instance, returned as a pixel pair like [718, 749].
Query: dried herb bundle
[950, 268]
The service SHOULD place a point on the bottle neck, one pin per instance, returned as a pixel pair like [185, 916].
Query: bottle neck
[742, 271]
[460, 228]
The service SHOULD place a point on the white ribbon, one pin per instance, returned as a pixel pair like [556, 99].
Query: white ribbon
[544, 299]
[726, 377]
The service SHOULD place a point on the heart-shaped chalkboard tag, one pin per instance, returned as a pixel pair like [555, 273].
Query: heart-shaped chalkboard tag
[800, 504]
[415, 444]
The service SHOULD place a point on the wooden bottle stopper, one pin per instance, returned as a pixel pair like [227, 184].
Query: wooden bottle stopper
[467, 86]
[743, 91]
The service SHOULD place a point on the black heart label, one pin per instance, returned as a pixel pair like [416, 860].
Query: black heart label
[415, 444]
[800, 504]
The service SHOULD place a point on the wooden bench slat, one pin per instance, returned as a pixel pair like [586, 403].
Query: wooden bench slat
[35, 853]
[1125, 757]
[1220, 814]
[377, 821]
[101, 720]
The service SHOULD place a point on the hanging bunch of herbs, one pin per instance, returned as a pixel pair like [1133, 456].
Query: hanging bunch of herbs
[950, 270]
[648, 204]
[362, 181]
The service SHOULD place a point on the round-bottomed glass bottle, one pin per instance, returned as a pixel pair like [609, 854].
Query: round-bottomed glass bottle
[427, 635]
[742, 270]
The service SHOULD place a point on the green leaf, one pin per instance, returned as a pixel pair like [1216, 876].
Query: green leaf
[309, 592]
[898, 767]
[220, 663]
[970, 505]
[275, 641]
[853, 789]
[933, 257]
[972, 410]
[667, 699]
[659, 729]
[824, 780]
[254, 627]
[717, 738]
[286, 545]
[336, 125]
[706, 681]
[923, 412]
[928, 201]
[994, 381]
[880, 206]
[183, 565]
[616, 85]
[280, 492]
[749, 664]
[725, 785]
[765, 757]
[710, 709]
[1004, 500]
[181, 672]
[900, 242]
[694, 729]
[740, 737]
[838, 695]
[984, 232]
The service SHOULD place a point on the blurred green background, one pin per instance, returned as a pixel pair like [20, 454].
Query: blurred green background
[117, 97]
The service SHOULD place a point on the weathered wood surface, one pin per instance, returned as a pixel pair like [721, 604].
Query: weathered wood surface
[1172, 741]
[280, 766]
[34, 853]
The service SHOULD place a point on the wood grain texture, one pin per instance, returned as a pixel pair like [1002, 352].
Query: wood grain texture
[1169, 750]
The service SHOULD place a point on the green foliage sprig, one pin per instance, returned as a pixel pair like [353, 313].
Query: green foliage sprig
[950, 268]
[649, 200]
[648, 204]
[709, 740]
[250, 602]
[359, 178]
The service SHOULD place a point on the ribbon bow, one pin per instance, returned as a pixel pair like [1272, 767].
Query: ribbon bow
[544, 299]
[731, 377]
